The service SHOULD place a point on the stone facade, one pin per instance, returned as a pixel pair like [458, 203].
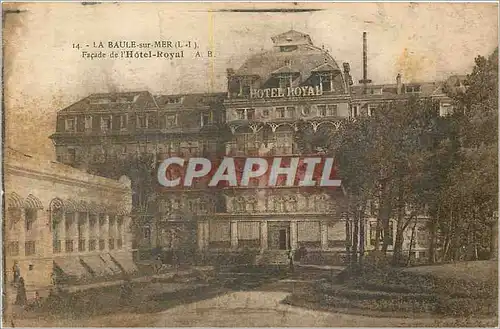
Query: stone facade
[273, 96]
[61, 223]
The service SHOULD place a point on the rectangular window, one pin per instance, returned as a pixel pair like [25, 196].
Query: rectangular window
[69, 246]
[170, 120]
[249, 234]
[308, 234]
[336, 234]
[240, 114]
[70, 124]
[280, 112]
[102, 244]
[92, 244]
[88, 122]
[146, 232]
[290, 112]
[285, 81]
[355, 111]
[371, 110]
[105, 123]
[250, 114]
[322, 110]
[332, 110]
[71, 155]
[206, 119]
[220, 234]
[30, 215]
[81, 245]
[142, 121]
[412, 89]
[13, 248]
[29, 248]
[123, 122]
[265, 113]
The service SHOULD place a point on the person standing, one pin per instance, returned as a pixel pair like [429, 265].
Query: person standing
[290, 259]
[21, 293]
[16, 270]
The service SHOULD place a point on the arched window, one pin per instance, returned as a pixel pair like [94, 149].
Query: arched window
[56, 208]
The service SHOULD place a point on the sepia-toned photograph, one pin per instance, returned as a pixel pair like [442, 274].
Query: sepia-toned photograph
[235, 164]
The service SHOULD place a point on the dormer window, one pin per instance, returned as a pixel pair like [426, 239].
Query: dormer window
[170, 120]
[325, 81]
[412, 89]
[206, 119]
[142, 121]
[70, 124]
[245, 114]
[105, 123]
[123, 121]
[88, 122]
[174, 100]
[288, 48]
[285, 81]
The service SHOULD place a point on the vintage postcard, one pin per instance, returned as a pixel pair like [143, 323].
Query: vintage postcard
[250, 164]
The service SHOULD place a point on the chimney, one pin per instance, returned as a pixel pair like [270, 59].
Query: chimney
[399, 85]
[365, 80]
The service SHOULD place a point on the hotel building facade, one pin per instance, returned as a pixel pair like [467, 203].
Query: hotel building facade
[272, 98]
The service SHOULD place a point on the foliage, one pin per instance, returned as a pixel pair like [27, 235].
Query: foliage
[409, 161]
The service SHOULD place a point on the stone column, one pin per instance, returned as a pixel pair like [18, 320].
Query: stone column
[293, 235]
[206, 231]
[234, 234]
[86, 231]
[22, 233]
[61, 230]
[74, 231]
[125, 234]
[324, 235]
[105, 233]
[263, 235]
[201, 235]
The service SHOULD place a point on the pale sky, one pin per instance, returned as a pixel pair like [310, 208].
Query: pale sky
[43, 74]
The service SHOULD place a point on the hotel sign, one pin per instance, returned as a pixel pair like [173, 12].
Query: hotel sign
[303, 91]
